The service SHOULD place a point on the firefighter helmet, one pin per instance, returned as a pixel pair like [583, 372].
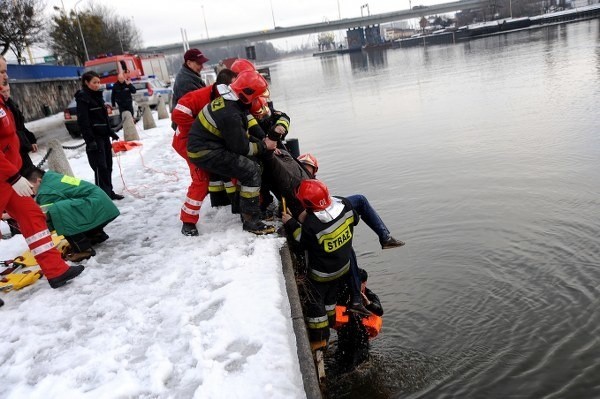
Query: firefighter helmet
[310, 160]
[249, 85]
[260, 108]
[313, 195]
[242, 64]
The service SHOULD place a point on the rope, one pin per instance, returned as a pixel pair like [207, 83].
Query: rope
[44, 159]
[172, 174]
[133, 192]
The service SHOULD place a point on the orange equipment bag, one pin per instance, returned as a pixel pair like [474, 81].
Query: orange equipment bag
[119, 146]
[372, 323]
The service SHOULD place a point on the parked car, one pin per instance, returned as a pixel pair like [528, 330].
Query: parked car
[114, 116]
[149, 90]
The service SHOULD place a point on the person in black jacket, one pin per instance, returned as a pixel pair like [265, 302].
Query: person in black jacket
[27, 140]
[121, 93]
[188, 78]
[94, 125]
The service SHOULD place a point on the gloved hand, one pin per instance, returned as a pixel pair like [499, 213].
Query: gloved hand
[92, 146]
[274, 135]
[114, 136]
[23, 187]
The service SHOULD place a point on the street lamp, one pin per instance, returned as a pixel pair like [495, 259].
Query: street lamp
[272, 13]
[204, 16]
[87, 56]
[367, 7]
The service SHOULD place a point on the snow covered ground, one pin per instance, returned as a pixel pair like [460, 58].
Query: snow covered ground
[155, 314]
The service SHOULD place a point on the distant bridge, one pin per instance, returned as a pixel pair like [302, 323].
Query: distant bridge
[341, 24]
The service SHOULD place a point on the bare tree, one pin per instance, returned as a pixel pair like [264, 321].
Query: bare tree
[104, 32]
[22, 25]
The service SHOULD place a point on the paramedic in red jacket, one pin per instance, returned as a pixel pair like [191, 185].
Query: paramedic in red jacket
[15, 198]
[183, 115]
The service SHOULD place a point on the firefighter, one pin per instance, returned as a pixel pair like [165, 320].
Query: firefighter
[183, 115]
[219, 143]
[15, 198]
[326, 234]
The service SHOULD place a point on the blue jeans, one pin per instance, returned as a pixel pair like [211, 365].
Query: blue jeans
[369, 215]
[361, 204]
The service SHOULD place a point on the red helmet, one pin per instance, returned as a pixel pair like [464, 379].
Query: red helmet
[249, 85]
[260, 108]
[313, 195]
[310, 160]
[241, 65]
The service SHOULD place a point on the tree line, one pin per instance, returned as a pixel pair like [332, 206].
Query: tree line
[23, 24]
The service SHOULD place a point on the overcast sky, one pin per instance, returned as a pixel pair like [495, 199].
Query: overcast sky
[160, 21]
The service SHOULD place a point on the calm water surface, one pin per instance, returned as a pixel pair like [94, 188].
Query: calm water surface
[484, 157]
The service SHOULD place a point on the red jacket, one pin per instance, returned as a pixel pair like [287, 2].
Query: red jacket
[188, 107]
[10, 159]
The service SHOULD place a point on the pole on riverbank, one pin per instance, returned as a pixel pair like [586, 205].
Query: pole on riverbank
[57, 160]
[162, 109]
[130, 132]
[148, 119]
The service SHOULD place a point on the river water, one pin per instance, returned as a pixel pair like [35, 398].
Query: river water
[484, 157]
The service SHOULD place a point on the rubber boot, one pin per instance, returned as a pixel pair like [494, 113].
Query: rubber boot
[234, 198]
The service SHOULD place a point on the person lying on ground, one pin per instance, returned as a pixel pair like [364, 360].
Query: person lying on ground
[75, 208]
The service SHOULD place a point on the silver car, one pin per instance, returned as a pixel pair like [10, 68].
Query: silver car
[150, 90]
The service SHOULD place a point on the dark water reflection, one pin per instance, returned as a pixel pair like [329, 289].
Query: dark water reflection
[484, 157]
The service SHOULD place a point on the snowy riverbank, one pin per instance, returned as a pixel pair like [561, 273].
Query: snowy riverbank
[155, 314]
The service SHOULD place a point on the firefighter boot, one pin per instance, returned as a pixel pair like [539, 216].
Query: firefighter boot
[254, 225]
[234, 198]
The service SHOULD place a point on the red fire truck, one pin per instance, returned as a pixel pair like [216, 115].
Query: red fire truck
[110, 66]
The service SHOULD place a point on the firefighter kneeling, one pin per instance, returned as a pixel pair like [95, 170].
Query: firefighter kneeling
[219, 143]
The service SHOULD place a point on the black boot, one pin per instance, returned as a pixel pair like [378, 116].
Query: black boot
[253, 224]
[258, 227]
[70, 274]
[116, 197]
[358, 308]
[81, 255]
[189, 229]
[99, 238]
[234, 198]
